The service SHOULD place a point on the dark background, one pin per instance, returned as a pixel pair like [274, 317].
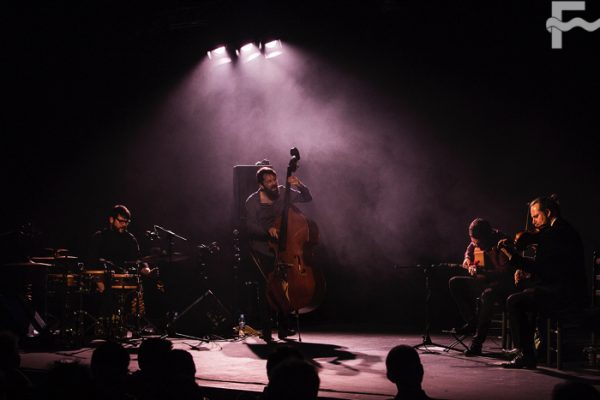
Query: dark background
[412, 117]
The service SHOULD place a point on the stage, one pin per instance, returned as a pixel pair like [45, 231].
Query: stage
[351, 366]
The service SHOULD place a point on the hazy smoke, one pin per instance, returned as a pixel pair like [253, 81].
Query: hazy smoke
[381, 191]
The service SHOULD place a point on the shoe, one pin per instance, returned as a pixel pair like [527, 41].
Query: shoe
[284, 333]
[266, 336]
[473, 350]
[520, 362]
[510, 352]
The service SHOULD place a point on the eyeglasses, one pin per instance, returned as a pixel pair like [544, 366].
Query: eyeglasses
[123, 221]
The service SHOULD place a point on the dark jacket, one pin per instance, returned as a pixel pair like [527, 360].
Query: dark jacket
[559, 262]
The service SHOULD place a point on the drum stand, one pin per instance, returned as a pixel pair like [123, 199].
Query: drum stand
[138, 329]
[139, 297]
[80, 317]
[117, 327]
[76, 336]
[126, 318]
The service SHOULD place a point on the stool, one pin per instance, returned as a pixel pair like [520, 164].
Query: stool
[501, 318]
[556, 325]
[554, 330]
[506, 338]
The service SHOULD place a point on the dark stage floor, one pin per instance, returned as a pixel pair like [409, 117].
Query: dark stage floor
[352, 366]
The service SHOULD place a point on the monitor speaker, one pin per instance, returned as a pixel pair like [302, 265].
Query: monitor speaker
[204, 316]
[20, 318]
[244, 184]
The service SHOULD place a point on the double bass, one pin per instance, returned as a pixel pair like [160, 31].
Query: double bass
[295, 285]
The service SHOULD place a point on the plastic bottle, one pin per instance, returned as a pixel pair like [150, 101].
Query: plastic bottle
[241, 324]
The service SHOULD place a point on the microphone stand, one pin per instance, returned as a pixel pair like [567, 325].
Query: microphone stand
[171, 324]
[171, 235]
[172, 316]
[426, 335]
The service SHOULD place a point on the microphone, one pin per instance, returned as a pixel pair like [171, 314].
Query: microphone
[152, 235]
[106, 262]
[212, 248]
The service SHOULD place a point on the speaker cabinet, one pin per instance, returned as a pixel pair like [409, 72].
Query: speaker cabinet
[244, 184]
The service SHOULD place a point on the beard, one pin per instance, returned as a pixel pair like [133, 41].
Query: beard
[272, 194]
[114, 228]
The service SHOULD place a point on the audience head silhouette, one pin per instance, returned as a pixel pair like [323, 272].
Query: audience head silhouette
[152, 354]
[293, 379]
[181, 364]
[69, 380]
[110, 363]
[9, 350]
[281, 354]
[574, 390]
[404, 368]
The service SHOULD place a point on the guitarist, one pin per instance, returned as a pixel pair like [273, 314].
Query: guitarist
[489, 279]
[262, 209]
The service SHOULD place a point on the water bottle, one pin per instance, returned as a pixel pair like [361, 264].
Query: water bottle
[241, 325]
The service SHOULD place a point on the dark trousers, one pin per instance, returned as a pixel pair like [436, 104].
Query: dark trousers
[524, 307]
[466, 289]
[265, 265]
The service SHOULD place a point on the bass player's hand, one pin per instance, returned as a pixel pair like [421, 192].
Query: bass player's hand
[273, 232]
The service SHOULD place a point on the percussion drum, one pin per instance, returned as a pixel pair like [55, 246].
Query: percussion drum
[59, 279]
[62, 284]
[124, 281]
[93, 280]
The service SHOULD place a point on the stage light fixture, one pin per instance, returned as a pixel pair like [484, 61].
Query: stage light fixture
[219, 55]
[248, 52]
[273, 49]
